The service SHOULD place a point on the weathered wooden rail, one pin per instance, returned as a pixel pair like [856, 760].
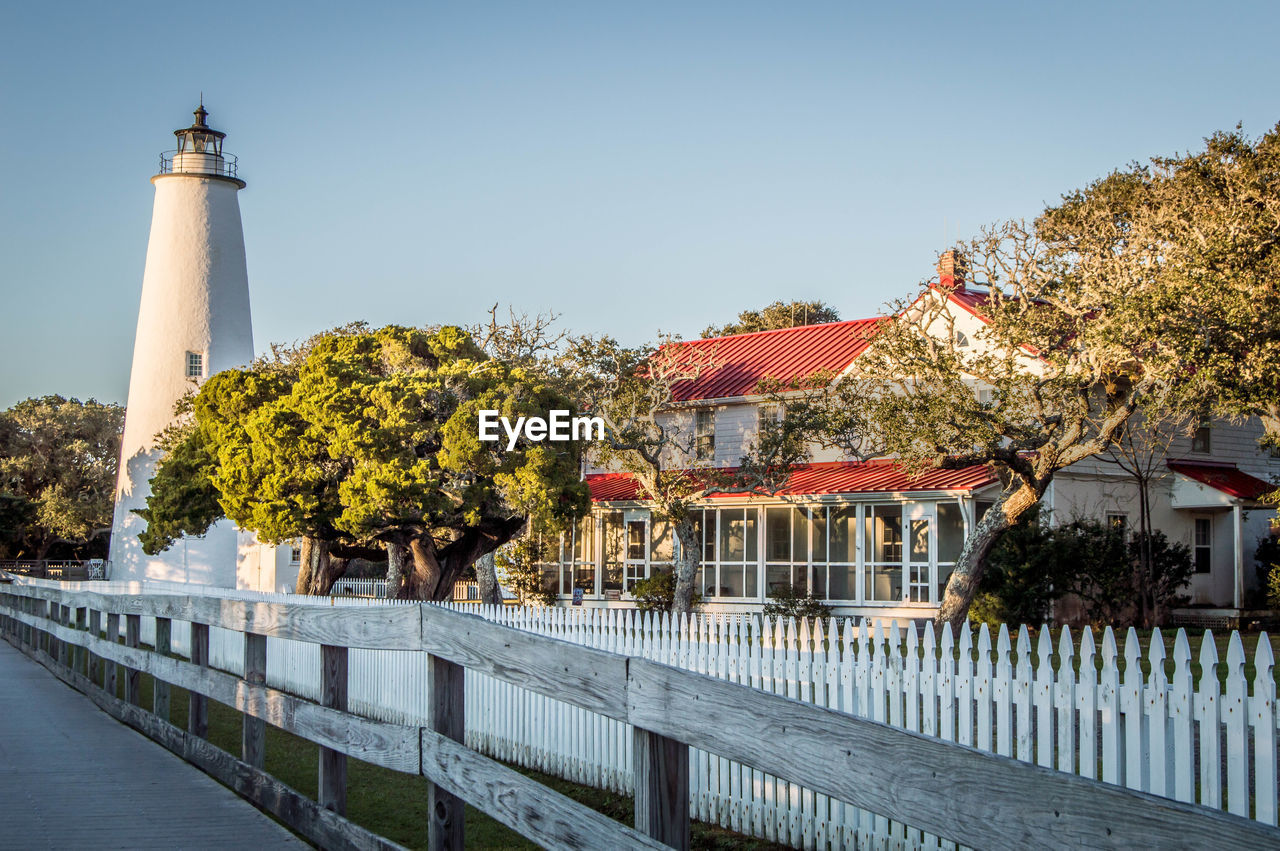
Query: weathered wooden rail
[953, 791]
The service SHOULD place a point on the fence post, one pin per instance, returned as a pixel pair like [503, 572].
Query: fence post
[133, 676]
[333, 693]
[253, 734]
[64, 654]
[95, 629]
[661, 772]
[111, 668]
[82, 653]
[198, 704]
[445, 713]
[160, 689]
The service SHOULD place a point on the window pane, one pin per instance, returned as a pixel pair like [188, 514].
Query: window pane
[919, 540]
[884, 584]
[635, 539]
[731, 581]
[612, 580]
[660, 541]
[776, 578]
[843, 583]
[614, 542]
[732, 536]
[709, 545]
[843, 534]
[820, 581]
[944, 574]
[800, 578]
[750, 577]
[950, 531]
[709, 580]
[800, 536]
[777, 534]
[753, 540]
[884, 526]
[819, 534]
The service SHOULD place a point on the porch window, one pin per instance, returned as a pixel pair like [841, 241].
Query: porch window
[786, 542]
[842, 552]
[950, 542]
[884, 569]
[578, 557]
[704, 439]
[1203, 544]
[615, 550]
[739, 552]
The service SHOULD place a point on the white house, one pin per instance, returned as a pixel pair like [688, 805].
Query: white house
[867, 538]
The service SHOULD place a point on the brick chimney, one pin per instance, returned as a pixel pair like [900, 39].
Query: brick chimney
[951, 269]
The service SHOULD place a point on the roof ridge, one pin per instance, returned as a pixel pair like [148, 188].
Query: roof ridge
[793, 328]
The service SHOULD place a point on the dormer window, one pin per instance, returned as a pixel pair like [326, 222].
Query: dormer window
[195, 365]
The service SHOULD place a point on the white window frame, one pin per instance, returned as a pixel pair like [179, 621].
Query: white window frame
[1196, 546]
[704, 440]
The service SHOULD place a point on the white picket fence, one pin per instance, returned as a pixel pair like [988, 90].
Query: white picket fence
[1089, 709]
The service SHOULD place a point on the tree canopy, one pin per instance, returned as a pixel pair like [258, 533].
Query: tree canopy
[58, 460]
[369, 438]
[780, 314]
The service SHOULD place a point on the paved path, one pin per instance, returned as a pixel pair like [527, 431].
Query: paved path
[71, 776]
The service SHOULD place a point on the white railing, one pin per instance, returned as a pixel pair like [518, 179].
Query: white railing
[1195, 729]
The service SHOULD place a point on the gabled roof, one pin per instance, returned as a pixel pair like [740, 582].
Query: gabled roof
[788, 354]
[823, 478]
[1227, 478]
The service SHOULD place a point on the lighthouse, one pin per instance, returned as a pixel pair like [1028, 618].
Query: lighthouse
[193, 321]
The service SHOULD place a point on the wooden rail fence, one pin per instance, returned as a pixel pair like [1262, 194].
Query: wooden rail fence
[951, 790]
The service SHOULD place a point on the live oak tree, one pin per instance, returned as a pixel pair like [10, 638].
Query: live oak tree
[648, 434]
[780, 314]
[1062, 361]
[58, 461]
[371, 439]
[1210, 222]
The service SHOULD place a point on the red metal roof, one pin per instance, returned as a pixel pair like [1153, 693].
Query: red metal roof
[830, 477]
[742, 360]
[1224, 477]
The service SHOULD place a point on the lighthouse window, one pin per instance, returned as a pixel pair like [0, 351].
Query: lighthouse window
[195, 365]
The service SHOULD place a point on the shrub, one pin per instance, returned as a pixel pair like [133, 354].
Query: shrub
[788, 602]
[1268, 561]
[1026, 571]
[656, 593]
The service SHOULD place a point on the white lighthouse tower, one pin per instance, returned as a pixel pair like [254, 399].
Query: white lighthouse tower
[193, 321]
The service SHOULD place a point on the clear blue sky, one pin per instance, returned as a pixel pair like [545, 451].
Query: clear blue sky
[634, 167]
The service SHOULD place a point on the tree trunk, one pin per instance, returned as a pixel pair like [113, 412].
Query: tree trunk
[398, 566]
[963, 585]
[487, 580]
[436, 569]
[686, 566]
[319, 569]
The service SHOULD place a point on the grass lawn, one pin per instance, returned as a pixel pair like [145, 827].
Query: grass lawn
[394, 805]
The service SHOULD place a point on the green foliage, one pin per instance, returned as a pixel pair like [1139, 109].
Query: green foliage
[794, 602]
[658, 592]
[58, 461]
[778, 315]
[370, 436]
[1035, 564]
[1267, 558]
[519, 565]
[1027, 570]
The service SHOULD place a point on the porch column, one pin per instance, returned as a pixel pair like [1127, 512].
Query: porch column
[1237, 518]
